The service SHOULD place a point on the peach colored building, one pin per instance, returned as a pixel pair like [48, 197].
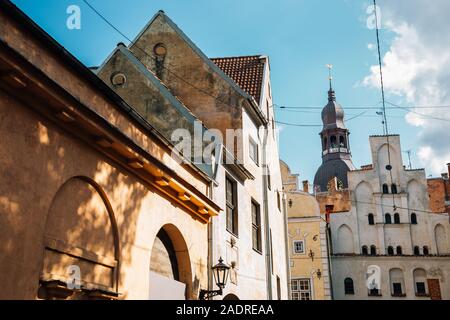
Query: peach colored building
[93, 203]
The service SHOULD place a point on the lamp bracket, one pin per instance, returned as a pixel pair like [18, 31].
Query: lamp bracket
[207, 295]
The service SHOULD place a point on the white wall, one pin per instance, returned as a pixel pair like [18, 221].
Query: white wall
[367, 197]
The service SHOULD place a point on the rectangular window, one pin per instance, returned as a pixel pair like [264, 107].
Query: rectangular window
[421, 289]
[279, 200]
[269, 182]
[397, 289]
[253, 150]
[301, 289]
[231, 200]
[256, 226]
[299, 247]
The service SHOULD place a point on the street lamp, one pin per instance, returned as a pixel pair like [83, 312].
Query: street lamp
[220, 272]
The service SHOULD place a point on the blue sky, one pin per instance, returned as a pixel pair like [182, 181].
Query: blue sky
[299, 36]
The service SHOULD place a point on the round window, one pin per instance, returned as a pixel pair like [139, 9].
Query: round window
[160, 50]
[118, 79]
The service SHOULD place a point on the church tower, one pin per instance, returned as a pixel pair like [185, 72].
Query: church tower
[336, 155]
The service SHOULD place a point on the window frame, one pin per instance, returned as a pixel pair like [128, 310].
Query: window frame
[397, 219]
[371, 219]
[304, 289]
[349, 286]
[232, 206]
[253, 143]
[365, 250]
[414, 220]
[256, 226]
[294, 242]
[386, 220]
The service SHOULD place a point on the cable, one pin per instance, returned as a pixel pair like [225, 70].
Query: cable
[153, 57]
[360, 107]
[298, 125]
[386, 127]
[374, 204]
[420, 114]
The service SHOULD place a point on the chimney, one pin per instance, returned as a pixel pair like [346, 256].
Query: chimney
[448, 166]
[306, 186]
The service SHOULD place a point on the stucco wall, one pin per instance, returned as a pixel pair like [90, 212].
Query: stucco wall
[37, 159]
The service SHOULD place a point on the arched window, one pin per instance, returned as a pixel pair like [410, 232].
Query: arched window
[440, 236]
[420, 282]
[365, 250]
[413, 218]
[416, 251]
[385, 189]
[390, 250]
[399, 251]
[397, 282]
[345, 243]
[387, 218]
[426, 251]
[341, 142]
[348, 286]
[396, 218]
[325, 143]
[333, 142]
[394, 189]
[371, 219]
[373, 250]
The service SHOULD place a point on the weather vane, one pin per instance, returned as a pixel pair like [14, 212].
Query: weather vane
[330, 76]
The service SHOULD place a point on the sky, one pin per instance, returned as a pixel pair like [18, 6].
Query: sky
[301, 37]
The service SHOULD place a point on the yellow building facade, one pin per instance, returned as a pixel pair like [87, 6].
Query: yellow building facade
[307, 242]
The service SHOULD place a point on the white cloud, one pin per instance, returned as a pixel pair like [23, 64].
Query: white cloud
[416, 67]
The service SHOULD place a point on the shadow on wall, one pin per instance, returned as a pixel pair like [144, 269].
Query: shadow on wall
[61, 204]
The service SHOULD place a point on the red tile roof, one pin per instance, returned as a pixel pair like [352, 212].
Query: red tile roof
[247, 72]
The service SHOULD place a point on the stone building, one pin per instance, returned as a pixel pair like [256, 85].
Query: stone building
[233, 97]
[307, 241]
[93, 202]
[439, 190]
[390, 245]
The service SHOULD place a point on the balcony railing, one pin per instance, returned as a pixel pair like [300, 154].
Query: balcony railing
[335, 150]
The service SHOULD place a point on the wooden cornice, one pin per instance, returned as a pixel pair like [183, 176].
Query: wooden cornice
[35, 90]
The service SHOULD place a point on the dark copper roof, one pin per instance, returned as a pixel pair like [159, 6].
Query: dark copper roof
[247, 72]
[333, 113]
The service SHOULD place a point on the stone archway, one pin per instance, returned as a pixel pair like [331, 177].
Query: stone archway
[170, 266]
[81, 244]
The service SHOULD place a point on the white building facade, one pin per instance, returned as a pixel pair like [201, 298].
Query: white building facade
[390, 245]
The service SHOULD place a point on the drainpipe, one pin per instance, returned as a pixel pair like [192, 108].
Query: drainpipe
[287, 246]
[210, 254]
[266, 217]
[328, 238]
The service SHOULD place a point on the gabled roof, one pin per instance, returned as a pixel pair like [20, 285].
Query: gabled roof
[196, 49]
[246, 71]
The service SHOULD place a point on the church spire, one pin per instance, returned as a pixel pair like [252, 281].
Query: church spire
[336, 155]
[331, 93]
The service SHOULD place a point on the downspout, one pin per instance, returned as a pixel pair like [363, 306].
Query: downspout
[214, 184]
[210, 251]
[266, 217]
[328, 238]
[286, 244]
